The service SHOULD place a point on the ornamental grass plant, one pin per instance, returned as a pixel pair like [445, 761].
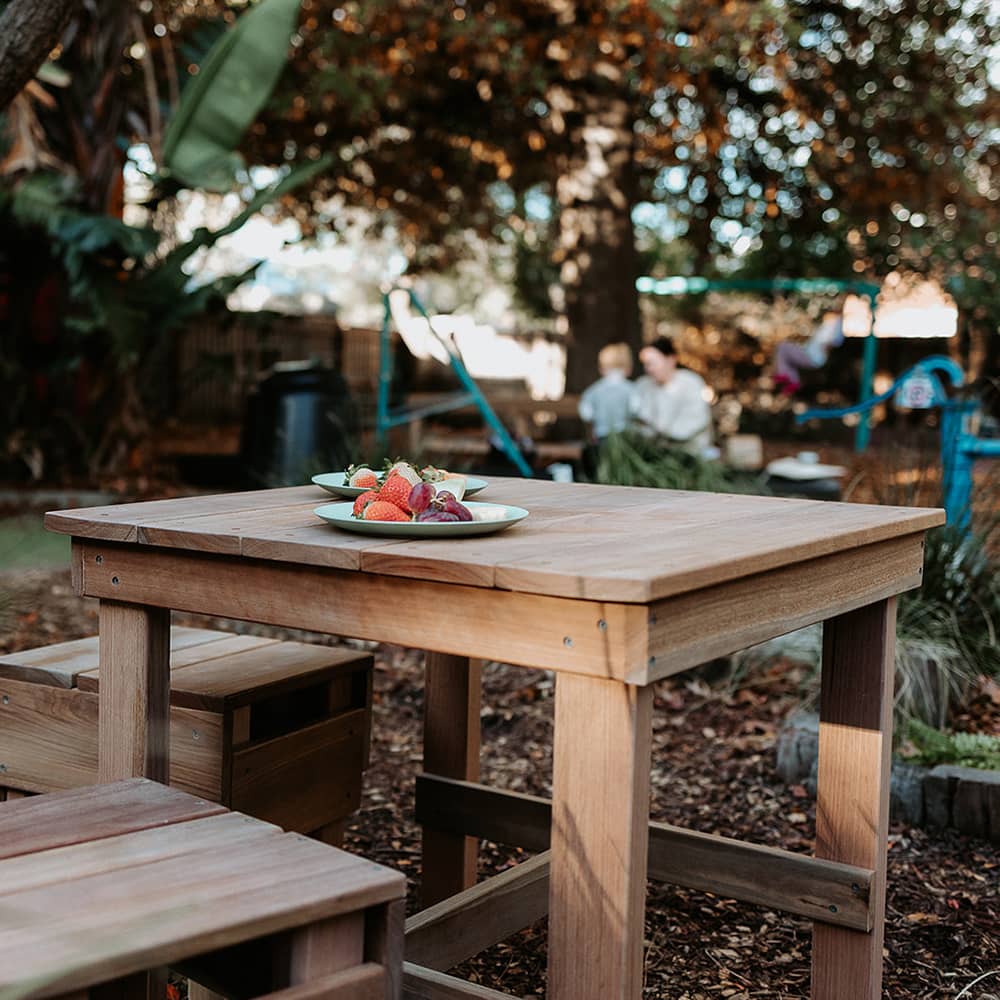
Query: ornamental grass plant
[629, 458]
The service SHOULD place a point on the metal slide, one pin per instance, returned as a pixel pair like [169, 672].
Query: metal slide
[470, 393]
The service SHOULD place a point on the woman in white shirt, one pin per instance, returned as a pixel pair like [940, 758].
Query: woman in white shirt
[672, 402]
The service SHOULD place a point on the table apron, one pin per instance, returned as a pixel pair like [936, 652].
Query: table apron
[696, 627]
[636, 643]
[577, 636]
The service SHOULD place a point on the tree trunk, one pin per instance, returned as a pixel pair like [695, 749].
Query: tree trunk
[596, 192]
[29, 30]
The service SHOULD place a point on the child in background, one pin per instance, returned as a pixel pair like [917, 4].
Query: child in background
[606, 405]
[790, 358]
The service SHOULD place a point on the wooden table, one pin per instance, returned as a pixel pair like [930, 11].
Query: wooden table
[613, 589]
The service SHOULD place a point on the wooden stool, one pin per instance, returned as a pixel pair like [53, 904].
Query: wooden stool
[103, 883]
[279, 730]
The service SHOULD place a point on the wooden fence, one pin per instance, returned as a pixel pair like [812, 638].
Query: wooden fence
[218, 365]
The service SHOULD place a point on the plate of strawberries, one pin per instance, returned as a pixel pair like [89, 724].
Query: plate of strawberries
[425, 509]
[358, 479]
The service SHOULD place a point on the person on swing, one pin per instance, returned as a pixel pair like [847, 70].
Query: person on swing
[791, 358]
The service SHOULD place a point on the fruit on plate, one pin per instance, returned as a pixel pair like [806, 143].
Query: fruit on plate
[490, 512]
[361, 476]
[437, 515]
[421, 496]
[363, 501]
[431, 475]
[404, 469]
[382, 510]
[433, 508]
[455, 485]
[396, 490]
[364, 477]
[397, 501]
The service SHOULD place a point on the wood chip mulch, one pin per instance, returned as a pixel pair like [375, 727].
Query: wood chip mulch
[713, 771]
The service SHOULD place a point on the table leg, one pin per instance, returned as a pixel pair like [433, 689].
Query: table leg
[133, 720]
[452, 691]
[600, 817]
[852, 800]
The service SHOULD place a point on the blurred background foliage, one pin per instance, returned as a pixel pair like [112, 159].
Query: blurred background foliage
[596, 140]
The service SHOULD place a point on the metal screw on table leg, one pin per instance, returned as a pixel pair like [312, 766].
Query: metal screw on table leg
[114, 580]
[195, 735]
[3, 768]
[6, 699]
[833, 908]
[568, 641]
[602, 625]
[98, 560]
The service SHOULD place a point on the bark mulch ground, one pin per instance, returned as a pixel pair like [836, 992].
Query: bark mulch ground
[713, 770]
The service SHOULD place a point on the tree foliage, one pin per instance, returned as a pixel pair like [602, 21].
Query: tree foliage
[863, 127]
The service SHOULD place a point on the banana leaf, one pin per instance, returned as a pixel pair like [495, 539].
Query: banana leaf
[203, 237]
[222, 101]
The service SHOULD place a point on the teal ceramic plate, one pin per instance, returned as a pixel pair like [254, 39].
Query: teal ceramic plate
[333, 482]
[490, 517]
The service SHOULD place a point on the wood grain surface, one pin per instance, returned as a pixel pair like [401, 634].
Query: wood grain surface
[587, 541]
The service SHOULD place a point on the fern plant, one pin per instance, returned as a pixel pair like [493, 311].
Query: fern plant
[930, 747]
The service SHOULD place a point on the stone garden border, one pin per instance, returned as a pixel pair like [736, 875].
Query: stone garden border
[964, 798]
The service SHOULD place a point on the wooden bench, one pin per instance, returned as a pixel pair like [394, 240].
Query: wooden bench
[279, 730]
[101, 884]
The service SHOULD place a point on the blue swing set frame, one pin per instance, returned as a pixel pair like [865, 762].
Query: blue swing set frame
[469, 395]
[960, 446]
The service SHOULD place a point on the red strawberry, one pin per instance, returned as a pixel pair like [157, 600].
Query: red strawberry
[363, 501]
[382, 510]
[363, 478]
[396, 490]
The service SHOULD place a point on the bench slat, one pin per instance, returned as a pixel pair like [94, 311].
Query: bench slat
[76, 861]
[43, 822]
[61, 663]
[224, 646]
[248, 676]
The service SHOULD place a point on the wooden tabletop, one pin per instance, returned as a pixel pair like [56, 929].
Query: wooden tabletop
[608, 543]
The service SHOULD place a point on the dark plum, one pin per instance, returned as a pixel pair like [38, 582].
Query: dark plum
[462, 512]
[436, 516]
[420, 497]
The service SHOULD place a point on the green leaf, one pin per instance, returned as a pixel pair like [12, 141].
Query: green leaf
[222, 101]
[203, 237]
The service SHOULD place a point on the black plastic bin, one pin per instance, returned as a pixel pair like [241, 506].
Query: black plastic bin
[300, 420]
